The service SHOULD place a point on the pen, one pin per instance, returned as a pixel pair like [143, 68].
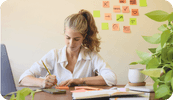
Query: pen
[46, 68]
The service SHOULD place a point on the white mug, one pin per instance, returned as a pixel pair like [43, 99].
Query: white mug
[135, 76]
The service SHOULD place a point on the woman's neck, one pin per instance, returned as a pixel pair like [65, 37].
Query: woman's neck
[73, 54]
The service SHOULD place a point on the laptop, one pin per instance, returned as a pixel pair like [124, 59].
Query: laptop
[7, 84]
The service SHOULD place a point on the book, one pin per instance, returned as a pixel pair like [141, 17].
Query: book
[145, 96]
[103, 93]
[146, 88]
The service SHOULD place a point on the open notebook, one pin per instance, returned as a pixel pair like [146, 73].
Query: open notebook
[102, 93]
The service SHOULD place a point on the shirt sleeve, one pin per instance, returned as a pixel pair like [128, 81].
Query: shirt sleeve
[38, 70]
[103, 69]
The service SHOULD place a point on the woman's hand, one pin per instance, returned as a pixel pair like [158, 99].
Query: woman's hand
[71, 82]
[49, 81]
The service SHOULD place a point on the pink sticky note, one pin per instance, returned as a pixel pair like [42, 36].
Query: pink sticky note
[116, 9]
[106, 4]
[108, 16]
[125, 9]
[126, 29]
[115, 27]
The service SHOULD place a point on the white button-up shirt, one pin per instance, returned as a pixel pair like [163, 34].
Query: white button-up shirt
[87, 63]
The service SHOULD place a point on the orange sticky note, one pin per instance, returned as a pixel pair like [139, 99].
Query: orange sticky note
[133, 2]
[62, 87]
[108, 16]
[115, 27]
[116, 9]
[135, 12]
[126, 29]
[122, 1]
[125, 9]
[106, 4]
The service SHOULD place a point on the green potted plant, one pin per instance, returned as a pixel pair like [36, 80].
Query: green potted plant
[159, 62]
[21, 94]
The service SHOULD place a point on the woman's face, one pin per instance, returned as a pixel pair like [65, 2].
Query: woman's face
[73, 40]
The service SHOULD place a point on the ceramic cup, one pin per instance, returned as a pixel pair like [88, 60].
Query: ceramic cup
[135, 76]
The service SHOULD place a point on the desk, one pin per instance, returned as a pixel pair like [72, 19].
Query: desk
[68, 95]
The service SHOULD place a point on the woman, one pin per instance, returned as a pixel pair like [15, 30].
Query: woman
[75, 63]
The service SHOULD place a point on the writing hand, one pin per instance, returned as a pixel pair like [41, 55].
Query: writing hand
[49, 81]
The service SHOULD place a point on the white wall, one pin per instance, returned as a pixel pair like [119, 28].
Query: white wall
[31, 28]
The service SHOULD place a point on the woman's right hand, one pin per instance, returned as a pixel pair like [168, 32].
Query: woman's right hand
[49, 81]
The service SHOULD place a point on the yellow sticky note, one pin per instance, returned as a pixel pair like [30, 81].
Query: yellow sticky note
[116, 9]
[143, 3]
[96, 13]
[105, 26]
[125, 9]
[126, 29]
[115, 27]
[133, 21]
[108, 16]
[120, 17]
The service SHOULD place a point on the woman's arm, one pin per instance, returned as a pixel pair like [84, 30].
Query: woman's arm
[48, 82]
[31, 81]
[96, 80]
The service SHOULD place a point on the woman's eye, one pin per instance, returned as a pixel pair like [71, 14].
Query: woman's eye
[76, 39]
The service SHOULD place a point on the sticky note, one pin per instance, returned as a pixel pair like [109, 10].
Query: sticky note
[62, 87]
[135, 12]
[96, 13]
[120, 18]
[125, 9]
[126, 29]
[122, 1]
[105, 26]
[106, 4]
[133, 21]
[143, 3]
[108, 16]
[116, 9]
[133, 2]
[115, 27]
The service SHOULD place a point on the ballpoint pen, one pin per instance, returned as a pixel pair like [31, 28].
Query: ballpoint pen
[47, 69]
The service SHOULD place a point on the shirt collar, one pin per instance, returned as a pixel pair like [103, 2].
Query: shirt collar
[83, 54]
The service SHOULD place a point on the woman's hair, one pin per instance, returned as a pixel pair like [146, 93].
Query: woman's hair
[84, 23]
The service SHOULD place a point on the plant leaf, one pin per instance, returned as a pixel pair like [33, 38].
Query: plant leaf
[164, 37]
[170, 40]
[164, 55]
[146, 57]
[133, 63]
[162, 27]
[152, 50]
[153, 63]
[159, 48]
[158, 15]
[170, 17]
[25, 91]
[168, 76]
[155, 39]
[162, 91]
[170, 54]
[155, 84]
[155, 72]
[172, 83]
[12, 97]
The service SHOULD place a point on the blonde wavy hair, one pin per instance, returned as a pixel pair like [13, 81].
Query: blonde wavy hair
[84, 23]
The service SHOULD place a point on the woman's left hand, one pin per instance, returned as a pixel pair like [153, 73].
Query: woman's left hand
[70, 82]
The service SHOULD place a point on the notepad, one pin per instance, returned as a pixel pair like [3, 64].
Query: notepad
[146, 88]
[102, 93]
